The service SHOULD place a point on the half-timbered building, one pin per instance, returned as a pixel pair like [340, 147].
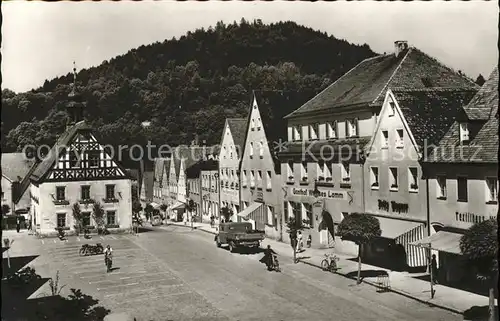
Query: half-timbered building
[76, 174]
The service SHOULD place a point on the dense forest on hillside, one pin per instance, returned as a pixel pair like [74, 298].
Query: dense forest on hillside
[187, 86]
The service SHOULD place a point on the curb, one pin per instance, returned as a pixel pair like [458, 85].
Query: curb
[198, 228]
[392, 290]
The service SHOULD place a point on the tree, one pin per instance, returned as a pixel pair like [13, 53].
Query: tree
[5, 209]
[226, 213]
[136, 207]
[190, 206]
[77, 216]
[164, 207]
[98, 215]
[480, 80]
[148, 210]
[479, 245]
[361, 229]
[294, 226]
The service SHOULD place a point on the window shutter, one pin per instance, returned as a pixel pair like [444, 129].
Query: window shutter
[346, 128]
[356, 126]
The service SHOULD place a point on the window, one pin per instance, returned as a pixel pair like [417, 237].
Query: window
[251, 150]
[441, 187]
[326, 172]
[351, 127]
[290, 170]
[385, 139]
[413, 179]
[73, 159]
[110, 192]
[259, 123]
[85, 191]
[392, 109]
[303, 171]
[259, 179]
[296, 133]
[252, 179]
[93, 159]
[464, 132]
[261, 149]
[253, 124]
[492, 185]
[61, 220]
[346, 172]
[60, 193]
[244, 178]
[269, 180]
[331, 129]
[296, 211]
[270, 215]
[374, 178]
[110, 218]
[462, 189]
[86, 219]
[393, 178]
[319, 171]
[399, 138]
[309, 214]
[313, 131]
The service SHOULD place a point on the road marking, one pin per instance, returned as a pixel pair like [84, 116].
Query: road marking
[158, 296]
[145, 290]
[92, 268]
[114, 286]
[139, 275]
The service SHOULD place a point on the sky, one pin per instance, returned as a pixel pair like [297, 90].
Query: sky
[40, 40]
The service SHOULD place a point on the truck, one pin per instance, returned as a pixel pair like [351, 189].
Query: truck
[237, 235]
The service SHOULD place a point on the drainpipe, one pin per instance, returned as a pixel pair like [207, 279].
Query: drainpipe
[428, 209]
[363, 187]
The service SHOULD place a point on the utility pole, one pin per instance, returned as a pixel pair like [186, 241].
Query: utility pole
[431, 272]
[8, 243]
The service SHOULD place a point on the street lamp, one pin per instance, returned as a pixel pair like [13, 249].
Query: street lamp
[428, 247]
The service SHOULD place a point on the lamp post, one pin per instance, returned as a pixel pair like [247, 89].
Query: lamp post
[431, 272]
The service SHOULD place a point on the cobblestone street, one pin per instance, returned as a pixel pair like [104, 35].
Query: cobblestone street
[178, 274]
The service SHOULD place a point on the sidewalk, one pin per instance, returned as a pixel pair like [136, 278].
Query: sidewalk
[403, 283]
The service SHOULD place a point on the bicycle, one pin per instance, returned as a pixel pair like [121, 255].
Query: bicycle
[329, 263]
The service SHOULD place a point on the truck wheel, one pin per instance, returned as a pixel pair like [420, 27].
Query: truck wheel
[231, 247]
[217, 243]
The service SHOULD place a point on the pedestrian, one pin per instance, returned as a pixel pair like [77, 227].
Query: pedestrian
[212, 221]
[300, 243]
[309, 241]
[434, 269]
[18, 224]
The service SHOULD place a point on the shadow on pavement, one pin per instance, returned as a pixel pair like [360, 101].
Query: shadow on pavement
[16, 263]
[19, 285]
[475, 286]
[247, 250]
[367, 273]
[479, 313]
[114, 269]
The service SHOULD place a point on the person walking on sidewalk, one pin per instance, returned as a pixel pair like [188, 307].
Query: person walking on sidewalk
[18, 224]
[434, 269]
[300, 242]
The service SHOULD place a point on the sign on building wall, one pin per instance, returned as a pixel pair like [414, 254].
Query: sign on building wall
[340, 195]
[259, 197]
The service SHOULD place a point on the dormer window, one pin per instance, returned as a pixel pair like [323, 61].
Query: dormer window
[352, 127]
[392, 109]
[464, 132]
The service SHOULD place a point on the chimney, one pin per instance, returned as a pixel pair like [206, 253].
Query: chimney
[400, 46]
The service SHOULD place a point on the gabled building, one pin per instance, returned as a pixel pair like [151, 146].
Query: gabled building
[210, 196]
[165, 188]
[147, 186]
[16, 170]
[232, 141]
[260, 179]
[462, 175]
[158, 197]
[79, 172]
[328, 134]
[182, 157]
[409, 124]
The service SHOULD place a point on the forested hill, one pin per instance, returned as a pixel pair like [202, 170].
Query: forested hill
[186, 86]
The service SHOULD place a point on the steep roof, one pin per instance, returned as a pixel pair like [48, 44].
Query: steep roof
[190, 155]
[430, 112]
[483, 144]
[238, 127]
[15, 166]
[195, 169]
[166, 169]
[64, 140]
[485, 102]
[148, 184]
[159, 167]
[367, 83]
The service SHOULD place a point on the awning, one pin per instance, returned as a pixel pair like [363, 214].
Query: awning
[392, 228]
[442, 241]
[155, 205]
[247, 211]
[178, 205]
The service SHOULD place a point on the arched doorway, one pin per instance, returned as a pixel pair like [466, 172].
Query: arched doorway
[327, 229]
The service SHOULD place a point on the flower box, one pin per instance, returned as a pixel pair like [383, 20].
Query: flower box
[329, 179]
[112, 226]
[290, 178]
[61, 202]
[375, 184]
[346, 179]
[86, 201]
[321, 178]
[64, 228]
[110, 200]
[304, 178]
[414, 186]
[394, 186]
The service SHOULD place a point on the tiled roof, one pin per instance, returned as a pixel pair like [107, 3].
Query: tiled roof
[324, 147]
[485, 102]
[195, 169]
[367, 83]
[15, 166]
[64, 140]
[430, 112]
[238, 127]
[483, 145]
[159, 167]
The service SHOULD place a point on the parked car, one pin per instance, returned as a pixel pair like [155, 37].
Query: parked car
[238, 234]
